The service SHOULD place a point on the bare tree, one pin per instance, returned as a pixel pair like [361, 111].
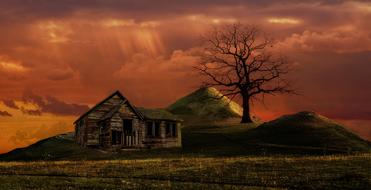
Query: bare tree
[238, 61]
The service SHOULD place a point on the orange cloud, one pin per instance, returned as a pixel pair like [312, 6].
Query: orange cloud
[201, 18]
[283, 21]
[118, 22]
[348, 40]
[361, 6]
[55, 32]
[82, 51]
[11, 66]
[22, 129]
[143, 73]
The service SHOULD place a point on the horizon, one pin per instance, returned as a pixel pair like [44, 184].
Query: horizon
[59, 58]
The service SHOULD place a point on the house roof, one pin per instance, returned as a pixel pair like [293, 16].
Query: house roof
[112, 111]
[118, 93]
[158, 114]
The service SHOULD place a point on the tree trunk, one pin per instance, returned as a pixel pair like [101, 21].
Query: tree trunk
[246, 109]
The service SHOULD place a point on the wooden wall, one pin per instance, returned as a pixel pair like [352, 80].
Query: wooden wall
[91, 131]
[105, 134]
[133, 139]
[91, 128]
[163, 141]
[80, 132]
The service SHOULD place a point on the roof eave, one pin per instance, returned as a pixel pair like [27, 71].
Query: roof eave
[117, 92]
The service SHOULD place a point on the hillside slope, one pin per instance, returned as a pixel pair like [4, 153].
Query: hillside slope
[52, 148]
[304, 133]
[307, 129]
[206, 103]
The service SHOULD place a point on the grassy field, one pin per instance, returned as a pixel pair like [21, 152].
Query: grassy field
[215, 155]
[252, 172]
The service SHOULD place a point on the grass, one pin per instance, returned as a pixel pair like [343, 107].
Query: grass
[314, 172]
[206, 102]
[215, 155]
[308, 129]
[211, 139]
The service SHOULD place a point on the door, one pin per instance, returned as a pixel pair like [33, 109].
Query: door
[116, 137]
[129, 135]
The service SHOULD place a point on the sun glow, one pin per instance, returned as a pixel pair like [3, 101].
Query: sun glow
[11, 66]
[283, 21]
[361, 6]
[22, 130]
[118, 22]
[206, 19]
[149, 24]
[55, 32]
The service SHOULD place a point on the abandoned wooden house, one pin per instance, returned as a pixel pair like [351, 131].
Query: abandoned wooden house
[115, 123]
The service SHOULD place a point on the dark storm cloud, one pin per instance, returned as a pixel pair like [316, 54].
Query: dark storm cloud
[10, 104]
[84, 50]
[5, 114]
[139, 9]
[50, 104]
[33, 112]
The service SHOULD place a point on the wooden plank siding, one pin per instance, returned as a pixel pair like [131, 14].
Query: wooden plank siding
[95, 116]
[115, 118]
[163, 141]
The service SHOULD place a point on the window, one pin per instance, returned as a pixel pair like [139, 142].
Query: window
[149, 128]
[173, 130]
[153, 129]
[157, 129]
[116, 137]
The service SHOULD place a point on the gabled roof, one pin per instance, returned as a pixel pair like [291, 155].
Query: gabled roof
[118, 93]
[112, 111]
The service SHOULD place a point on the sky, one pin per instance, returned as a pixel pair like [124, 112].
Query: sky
[60, 57]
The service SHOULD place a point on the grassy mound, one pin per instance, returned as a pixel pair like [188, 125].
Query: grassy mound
[52, 148]
[304, 133]
[206, 103]
[308, 129]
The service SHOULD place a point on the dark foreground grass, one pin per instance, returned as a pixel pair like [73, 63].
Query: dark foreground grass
[47, 182]
[314, 172]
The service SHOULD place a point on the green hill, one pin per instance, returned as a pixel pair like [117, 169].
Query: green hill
[206, 103]
[307, 129]
[304, 133]
[53, 148]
